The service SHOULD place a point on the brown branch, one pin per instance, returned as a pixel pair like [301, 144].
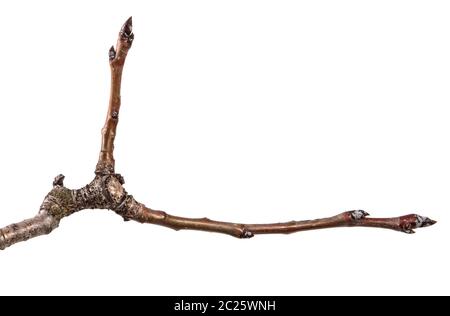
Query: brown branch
[139, 212]
[117, 58]
[106, 191]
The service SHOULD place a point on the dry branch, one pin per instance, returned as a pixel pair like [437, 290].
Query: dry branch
[106, 190]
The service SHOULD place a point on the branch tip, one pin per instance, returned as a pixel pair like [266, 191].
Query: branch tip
[410, 222]
[422, 221]
[129, 23]
[126, 32]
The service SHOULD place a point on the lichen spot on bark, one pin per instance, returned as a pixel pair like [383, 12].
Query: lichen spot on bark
[59, 202]
[115, 189]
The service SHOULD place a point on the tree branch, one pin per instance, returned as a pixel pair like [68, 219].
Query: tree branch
[39, 225]
[140, 213]
[117, 58]
[106, 190]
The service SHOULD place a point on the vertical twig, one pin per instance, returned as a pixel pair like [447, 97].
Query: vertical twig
[117, 58]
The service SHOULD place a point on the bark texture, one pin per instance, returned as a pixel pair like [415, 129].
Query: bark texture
[106, 190]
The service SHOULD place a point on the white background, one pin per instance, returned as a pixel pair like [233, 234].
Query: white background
[249, 111]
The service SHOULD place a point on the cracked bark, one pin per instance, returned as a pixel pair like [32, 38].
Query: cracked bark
[106, 190]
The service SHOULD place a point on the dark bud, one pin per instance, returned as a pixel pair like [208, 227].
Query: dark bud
[409, 231]
[422, 221]
[429, 222]
[247, 234]
[120, 178]
[127, 27]
[112, 53]
[59, 180]
[359, 214]
[115, 115]
[126, 32]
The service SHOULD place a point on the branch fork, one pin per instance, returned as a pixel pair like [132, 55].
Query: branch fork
[106, 190]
